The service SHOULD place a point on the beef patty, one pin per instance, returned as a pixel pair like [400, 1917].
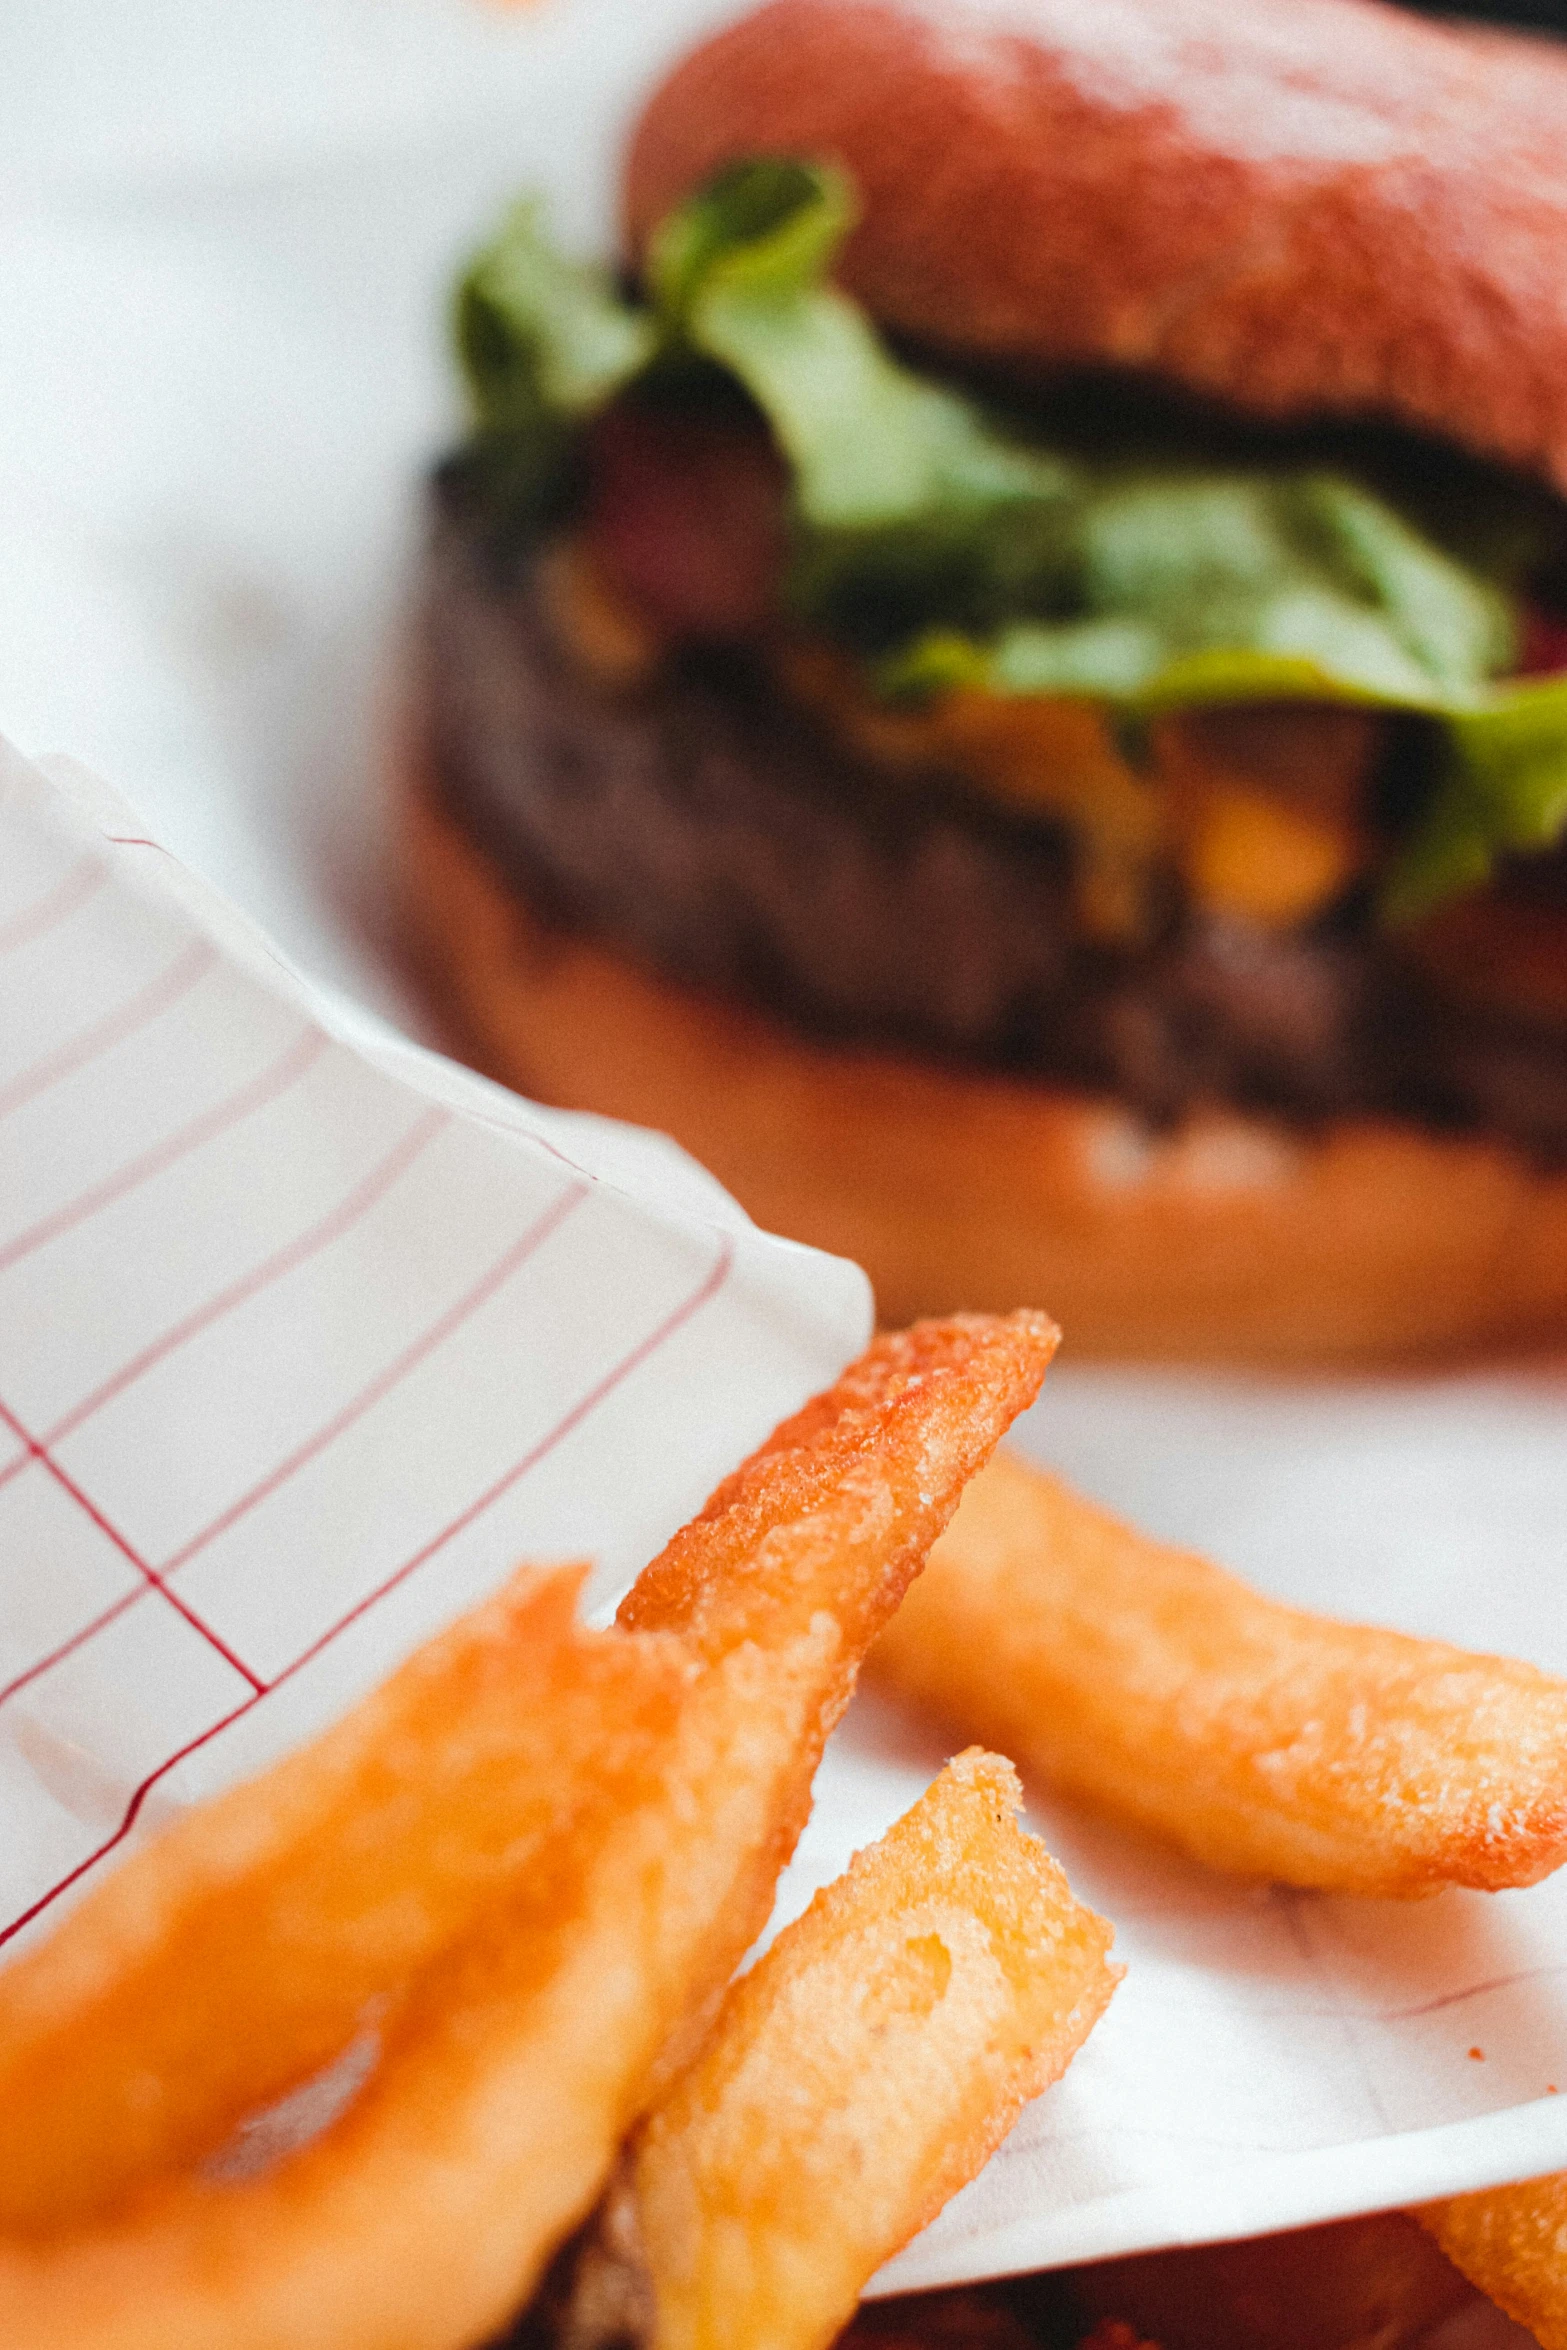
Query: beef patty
[724, 837]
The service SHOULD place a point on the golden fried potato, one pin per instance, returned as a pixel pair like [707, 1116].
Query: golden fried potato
[238, 1953]
[1259, 1737]
[420, 2219]
[864, 2070]
[1512, 2243]
[516, 2059]
[836, 1511]
[826, 1525]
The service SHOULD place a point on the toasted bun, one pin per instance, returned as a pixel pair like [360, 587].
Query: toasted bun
[1304, 207]
[971, 1190]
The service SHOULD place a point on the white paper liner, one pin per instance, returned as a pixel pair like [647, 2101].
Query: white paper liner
[306, 1338]
[250, 223]
[307, 1335]
[1275, 2058]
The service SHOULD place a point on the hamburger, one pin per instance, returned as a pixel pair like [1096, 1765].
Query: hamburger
[1005, 680]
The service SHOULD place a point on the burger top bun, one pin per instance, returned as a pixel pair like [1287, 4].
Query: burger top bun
[1302, 207]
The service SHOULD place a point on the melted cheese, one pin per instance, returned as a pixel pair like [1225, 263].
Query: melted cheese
[1059, 757]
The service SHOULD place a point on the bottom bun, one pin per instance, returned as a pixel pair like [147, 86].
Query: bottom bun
[1226, 1239]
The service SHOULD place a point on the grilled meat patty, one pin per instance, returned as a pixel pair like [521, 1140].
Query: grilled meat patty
[725, 836]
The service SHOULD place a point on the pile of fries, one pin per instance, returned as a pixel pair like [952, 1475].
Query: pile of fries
[497, 1913]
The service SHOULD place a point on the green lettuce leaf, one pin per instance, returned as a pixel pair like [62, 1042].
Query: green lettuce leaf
[543, 341]
[1503, 789]
[951, 547]
[741, 271]
[908, 500]
[1502, 786]
[1258, 583]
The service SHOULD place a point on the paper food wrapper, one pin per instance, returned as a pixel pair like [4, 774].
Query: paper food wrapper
[1275, 2058]
[259, 212]
[307, 1336]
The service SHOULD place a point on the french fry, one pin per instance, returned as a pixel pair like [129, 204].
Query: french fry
[239, 1952]
[1259, 1737]
[864, 2070]
[420, 2219]
[829, 1522]
[516, 2060]
[1512, 2243]
[838, 1509]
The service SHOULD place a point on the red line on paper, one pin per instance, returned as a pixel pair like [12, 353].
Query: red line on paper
[709, 1287]
[1405, 2015]
[142, 1008]
[132, 1814]
[284, 1072]
[85, 878]
[138, 840]
[491, 1280]
[111, 1533]
[332, 1226]
[494, 1278]
[77, 1640]
[546, 1444]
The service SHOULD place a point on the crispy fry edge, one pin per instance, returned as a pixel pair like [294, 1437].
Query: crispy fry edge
[864, 2070]
[351, 2243]
[239, 1952]
[916, 1401]
[831, 1519]
[1258, 1737]
[1512, 2243]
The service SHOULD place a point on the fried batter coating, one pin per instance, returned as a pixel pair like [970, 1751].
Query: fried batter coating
[239, 1952]
[864, 2070]
[1260, 1738]
[522, 2048]
[1512, 2243]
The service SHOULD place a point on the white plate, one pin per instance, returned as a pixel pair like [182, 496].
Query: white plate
[225, 239]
